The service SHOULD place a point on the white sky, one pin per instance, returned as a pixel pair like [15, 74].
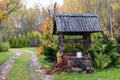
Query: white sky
[44, 3]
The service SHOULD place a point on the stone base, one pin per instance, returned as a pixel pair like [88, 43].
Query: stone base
[78, 64]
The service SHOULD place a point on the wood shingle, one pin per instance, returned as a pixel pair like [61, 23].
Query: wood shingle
[70, 24]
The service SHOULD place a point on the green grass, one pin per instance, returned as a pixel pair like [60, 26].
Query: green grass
[107, 74]
[20, 69]
[42, 61]
[4, 56]
[30, 48]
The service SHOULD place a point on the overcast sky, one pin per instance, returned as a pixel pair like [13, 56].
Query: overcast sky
[44, 3]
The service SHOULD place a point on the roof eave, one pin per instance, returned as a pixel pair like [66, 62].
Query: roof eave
[74, 33]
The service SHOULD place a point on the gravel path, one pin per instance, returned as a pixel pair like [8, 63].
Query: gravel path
[35, 70]
[5, 68]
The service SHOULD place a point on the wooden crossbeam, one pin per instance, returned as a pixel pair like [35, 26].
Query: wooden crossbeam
[74, 40]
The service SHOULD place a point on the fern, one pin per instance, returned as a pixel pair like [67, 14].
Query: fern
[110, 47]
[101, 61]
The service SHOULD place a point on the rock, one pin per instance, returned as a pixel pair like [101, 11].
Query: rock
[76, 69]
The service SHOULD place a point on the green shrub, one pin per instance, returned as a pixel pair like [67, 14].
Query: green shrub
[10, 40]
[33, 39]
[15, 44]
[4, 46]
[114, 58]
[49, 52]
[1, 47]
[29, 38]
[101, 61]
[118, 61]
[18, 42]
[24, 41]
[108, 49]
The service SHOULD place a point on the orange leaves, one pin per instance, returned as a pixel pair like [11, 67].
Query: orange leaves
[3, 12]
[46, 28]
[39, 49]
[1, 17]
[42, 28]
[3, 4]
[46, 23]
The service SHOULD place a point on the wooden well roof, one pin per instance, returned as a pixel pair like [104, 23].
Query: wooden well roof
[75, 23]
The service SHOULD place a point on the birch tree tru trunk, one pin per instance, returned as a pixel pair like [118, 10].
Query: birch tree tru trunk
[110, 20]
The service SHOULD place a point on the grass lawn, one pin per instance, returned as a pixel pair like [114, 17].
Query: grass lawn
[20, 69]
[108, 74]
[4, 56]
[34, 49]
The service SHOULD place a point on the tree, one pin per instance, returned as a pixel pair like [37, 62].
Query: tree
[6, 8]
[3, 11]
[47, 37]
[107, 10]
[110, 19]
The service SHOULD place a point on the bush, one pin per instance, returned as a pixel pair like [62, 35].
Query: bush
[110, 50]
[4, 46]
[49, 52]
[114, 58]
[11, 41]
[33, 39]
[110, 47]
[99, 47]
[118, 61]
[18, 42]
[101, 61]
[24, 41]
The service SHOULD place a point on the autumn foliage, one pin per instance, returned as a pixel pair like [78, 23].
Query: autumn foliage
[42, 28]
[3, 11]
[39, 49]
[3, 4]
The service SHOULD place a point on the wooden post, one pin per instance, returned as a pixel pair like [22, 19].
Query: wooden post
[87, 38]
[61, 43]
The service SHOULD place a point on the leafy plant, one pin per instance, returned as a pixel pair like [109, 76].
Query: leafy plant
[33, 39]
[101, 61]
[4, 46]
[118, 61]
[49, 52]
[114, 58]
[24, 41]
[18, 42]
[108, 49]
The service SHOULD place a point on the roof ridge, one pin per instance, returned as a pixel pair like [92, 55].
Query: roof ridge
[76, 14]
